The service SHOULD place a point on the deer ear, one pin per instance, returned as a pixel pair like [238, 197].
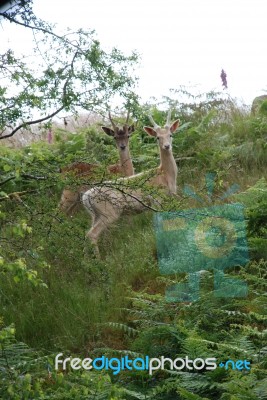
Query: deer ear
[131, 129]
[150, 131]
[175, 126]
[108, 131]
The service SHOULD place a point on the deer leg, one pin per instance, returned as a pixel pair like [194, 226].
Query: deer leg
[94, 220]
[99, 225]
[93, 235]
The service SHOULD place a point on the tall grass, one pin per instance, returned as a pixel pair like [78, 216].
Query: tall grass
[87, 299]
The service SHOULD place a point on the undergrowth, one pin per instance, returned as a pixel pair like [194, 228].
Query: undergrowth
[56, 297]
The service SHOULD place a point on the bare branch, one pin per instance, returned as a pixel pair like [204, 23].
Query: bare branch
[26, 176]
[37, 178]
[40, 29]
[16, 195]
[7, 180]
[25, 124]
[127, 193]
[36, 121]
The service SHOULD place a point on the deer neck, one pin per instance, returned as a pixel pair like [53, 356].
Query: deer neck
[169, 169]
[126, 163]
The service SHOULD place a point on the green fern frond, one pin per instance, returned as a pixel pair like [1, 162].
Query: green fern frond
[136, 395]
[186, 395]
[122, 327]
[261, 389]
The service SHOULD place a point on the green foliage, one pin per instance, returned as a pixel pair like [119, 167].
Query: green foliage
[222, 328]
[50, 80]
[61, 299]
[99, 146]
[263, 108]
[27, 374]
[13, 263]
[255, 198]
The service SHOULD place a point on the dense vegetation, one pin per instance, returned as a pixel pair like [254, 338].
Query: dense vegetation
[57, 298]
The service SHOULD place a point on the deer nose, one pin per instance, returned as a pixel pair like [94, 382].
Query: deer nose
[167, 146]
[122, 146]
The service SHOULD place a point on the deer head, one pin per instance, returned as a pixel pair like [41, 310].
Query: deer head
[163, 135]
[120, 134]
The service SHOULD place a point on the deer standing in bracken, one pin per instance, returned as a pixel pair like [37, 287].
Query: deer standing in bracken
[107, 203]
[70, 199]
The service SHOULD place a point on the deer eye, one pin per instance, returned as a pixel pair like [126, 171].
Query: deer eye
[128, 136]
[157, 138]
[170, 135]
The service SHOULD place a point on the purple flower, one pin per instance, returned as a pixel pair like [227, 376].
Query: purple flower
[223, 78]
